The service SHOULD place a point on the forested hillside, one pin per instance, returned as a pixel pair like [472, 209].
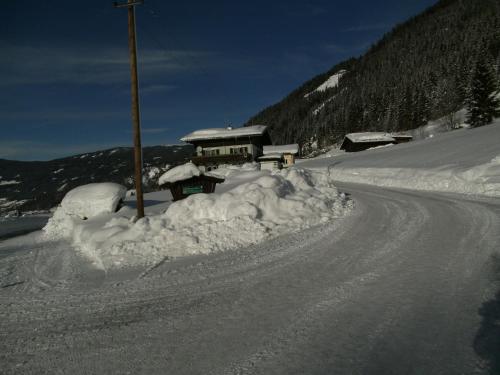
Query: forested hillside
[419, 71]
[40, 185]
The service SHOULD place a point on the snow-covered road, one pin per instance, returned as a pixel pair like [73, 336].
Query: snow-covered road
[407, 284]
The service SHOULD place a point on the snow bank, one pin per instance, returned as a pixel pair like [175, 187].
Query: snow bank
[90, 200]
[181, 172]
[483, 179]
[203, 223]
[229, 170]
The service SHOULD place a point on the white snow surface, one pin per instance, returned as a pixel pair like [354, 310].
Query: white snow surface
[332, 81]
[179, 173]
[216, 133]
[283, 149]
[370, 137]
[465, 161]
[91, 200]
[9, 182]
[258, 205]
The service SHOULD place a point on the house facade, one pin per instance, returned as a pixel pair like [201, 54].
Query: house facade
[217, 146]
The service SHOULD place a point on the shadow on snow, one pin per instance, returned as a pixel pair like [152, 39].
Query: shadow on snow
[487, 340]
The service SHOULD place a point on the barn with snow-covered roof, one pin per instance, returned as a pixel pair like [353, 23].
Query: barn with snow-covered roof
[363, 141]
[217, 146]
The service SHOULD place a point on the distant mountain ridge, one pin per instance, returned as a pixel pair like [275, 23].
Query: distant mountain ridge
[41, 185]
[419, 71]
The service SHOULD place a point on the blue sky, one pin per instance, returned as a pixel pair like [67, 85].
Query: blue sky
[64, 72]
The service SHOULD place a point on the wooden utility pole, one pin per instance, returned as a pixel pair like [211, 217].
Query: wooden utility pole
[136, 122]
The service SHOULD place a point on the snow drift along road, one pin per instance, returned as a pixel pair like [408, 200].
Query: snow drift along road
[463, 161]
[270, 205]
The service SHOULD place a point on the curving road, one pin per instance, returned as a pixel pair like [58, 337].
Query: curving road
[408, 284]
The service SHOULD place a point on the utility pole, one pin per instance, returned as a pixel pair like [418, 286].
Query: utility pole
[136, 124]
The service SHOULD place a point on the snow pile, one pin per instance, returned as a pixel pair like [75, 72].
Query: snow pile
[94, 199]
[228, 170]
[203, 223]
[179, 173]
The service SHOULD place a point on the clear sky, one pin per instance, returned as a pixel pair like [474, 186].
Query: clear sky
[64, 72]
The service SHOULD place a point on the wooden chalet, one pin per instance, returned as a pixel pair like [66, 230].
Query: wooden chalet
[217, 146]
[362, 141]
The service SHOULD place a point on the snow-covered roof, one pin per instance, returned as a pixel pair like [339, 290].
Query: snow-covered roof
[273, 156]
[229, 132]
[281, 149]
[370, 137]
[179, 173]
[401, 135]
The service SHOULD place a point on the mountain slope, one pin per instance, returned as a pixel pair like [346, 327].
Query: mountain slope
[421, 70]
[40, 185]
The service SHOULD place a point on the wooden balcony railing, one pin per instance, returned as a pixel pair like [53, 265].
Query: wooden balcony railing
[221, 159]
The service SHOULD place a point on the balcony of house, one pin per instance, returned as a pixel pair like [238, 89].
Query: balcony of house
[213, 160]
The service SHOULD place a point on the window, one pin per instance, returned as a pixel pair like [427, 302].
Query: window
[238, 151]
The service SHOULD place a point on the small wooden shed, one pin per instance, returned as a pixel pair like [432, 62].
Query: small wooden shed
[288, 153]
[188, 179]
[271, 161]
[362, 141]
[194, 185]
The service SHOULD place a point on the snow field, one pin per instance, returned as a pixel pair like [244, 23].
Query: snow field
[254, 209]
[465, 161]
[483, 179]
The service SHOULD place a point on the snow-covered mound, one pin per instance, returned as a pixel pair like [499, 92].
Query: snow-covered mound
[90, 200]
[179, 173]
[227, 170]
[203, 223]
[84, 202]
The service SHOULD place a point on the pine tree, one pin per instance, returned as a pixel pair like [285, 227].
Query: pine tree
[482, 104]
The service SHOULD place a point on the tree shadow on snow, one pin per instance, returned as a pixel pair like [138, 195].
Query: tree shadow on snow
[487, 340]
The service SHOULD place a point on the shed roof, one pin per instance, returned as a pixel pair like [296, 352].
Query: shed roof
[220, 133]
[401, 136]
[370, 137]
[281, 149]
[273, 156]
